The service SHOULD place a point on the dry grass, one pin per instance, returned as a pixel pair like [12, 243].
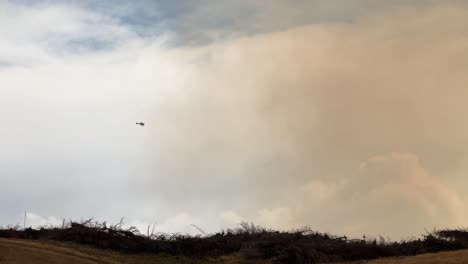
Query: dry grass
[452, 257]
[14, 251]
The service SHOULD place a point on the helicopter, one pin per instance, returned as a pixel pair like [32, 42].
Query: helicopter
[140, 124]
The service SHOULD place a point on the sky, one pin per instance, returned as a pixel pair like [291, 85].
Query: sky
[344, 116]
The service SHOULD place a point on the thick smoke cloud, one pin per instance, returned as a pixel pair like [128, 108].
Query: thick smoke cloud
[353, 128]
[270, 116]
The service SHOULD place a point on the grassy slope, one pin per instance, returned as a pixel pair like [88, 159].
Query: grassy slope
[298, 246]
[19, 251]
[14, 251]
[23, 251]
[451, 257]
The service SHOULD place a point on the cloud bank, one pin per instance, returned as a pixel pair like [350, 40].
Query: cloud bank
[278, 113]
[350, 128]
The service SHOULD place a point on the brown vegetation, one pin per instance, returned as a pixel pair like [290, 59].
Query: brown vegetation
[249, 241]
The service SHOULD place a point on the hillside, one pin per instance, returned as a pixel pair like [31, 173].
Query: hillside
[94, 242]
[13, 251]
[453, 257]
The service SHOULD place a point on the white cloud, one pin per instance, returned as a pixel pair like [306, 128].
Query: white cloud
[36, 34]
[230, 219]
[37, 221]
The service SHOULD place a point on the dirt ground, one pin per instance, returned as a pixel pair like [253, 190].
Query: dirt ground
[14, 251]
[33, 252]
[453, 257]
[17, 251]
